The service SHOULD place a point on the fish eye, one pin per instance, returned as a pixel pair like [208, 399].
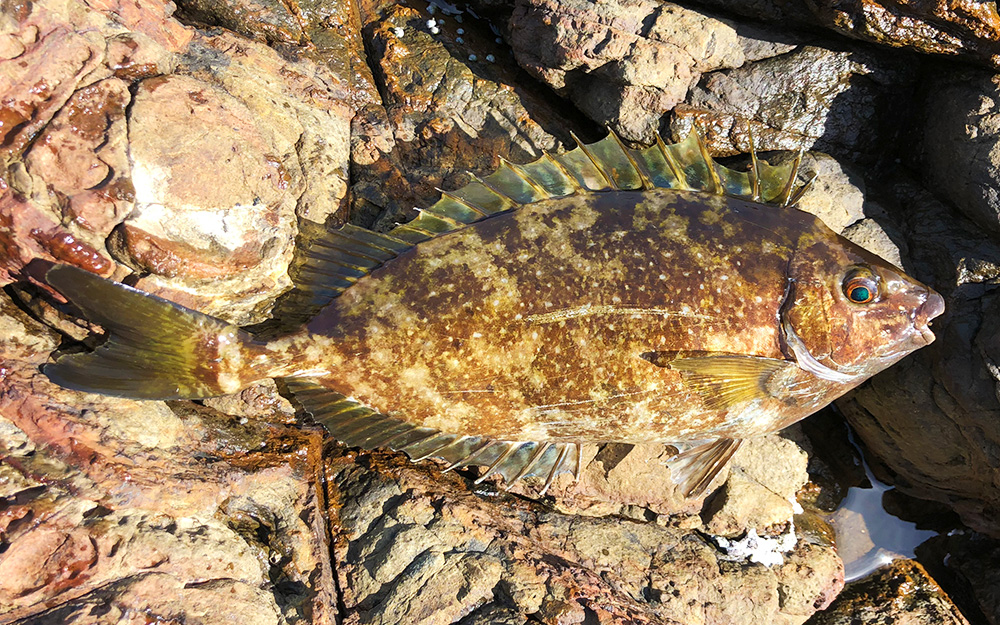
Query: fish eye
[861, 285]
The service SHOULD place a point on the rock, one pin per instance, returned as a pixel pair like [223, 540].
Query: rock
[624, 63]
[402, 527]
[844, 102]
[199, 227]
[961, 149]
[967, 29]
[970, 29]
[169, 511]
[948, 389]
[965, 564]
[901, 594]
[450, 108]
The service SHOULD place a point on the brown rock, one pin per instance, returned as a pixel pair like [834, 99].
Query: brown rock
[402, 527]
[445, 114]
[960, 155]
[901, 594]
[624, 63]
[964, 27]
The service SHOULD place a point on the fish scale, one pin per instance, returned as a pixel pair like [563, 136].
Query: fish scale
[607, 294]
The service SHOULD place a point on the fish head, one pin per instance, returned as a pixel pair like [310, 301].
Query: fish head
[847, 313]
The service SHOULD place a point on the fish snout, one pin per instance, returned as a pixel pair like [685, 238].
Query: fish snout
[932, 308]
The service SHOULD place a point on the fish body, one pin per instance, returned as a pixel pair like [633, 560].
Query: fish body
[671, 315]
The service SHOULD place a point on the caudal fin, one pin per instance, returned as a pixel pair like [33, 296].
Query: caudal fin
[155, 349]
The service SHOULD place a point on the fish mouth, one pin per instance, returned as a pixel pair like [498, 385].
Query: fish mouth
[932, 308]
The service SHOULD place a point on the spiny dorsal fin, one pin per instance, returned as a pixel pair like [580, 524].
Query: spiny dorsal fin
[321, 271]
[357, 425]
[694, 469]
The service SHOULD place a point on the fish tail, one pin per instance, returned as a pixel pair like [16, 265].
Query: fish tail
[155, 349]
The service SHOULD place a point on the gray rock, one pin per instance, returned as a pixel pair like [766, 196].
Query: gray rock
[844, 102]
[961, 149]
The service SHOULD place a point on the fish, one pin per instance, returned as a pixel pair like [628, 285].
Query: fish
[606, 294]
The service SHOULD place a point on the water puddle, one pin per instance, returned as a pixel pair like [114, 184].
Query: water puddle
[868, 536]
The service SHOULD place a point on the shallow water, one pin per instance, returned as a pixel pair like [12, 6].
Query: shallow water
[868, 536]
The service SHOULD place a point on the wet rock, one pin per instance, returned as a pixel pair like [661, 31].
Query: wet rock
[960, 156]
[948, 389]
[450, 108]
[841, 101]
[624, 63]
[966, 28]
[901, 594]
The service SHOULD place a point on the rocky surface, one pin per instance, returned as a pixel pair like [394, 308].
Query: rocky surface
[177, 147]
[901, 594]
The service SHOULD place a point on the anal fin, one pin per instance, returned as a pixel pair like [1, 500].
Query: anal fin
[694, 469]
[357, 425]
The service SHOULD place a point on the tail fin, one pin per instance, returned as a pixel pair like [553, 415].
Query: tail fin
[155, 349]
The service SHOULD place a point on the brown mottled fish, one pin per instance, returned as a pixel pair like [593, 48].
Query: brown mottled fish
[605, 294]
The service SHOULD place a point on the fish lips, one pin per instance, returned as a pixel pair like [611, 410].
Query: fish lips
[932, 307]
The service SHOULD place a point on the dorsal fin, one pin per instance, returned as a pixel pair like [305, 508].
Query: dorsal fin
[357, 425]
[328, 262]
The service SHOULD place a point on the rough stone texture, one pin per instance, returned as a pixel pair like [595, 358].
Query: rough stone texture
[965, 28]
[845, 102]
[966, 563]
[961, 151]
[624, 62]
[444, 113]
[88, 150]
[901, 594]
[115, 510]
[418, 548]
[932, 421]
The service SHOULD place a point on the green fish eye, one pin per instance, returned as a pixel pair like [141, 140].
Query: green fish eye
[860, 286]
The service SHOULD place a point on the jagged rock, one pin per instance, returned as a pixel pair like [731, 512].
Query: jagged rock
[845, 102]
[626, 62]
[902, 594]
[416, 547]
[965, 28]
[82, 142]
[452, 105]
[960, 156]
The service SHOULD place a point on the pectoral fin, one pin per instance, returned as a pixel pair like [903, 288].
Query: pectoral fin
[722, 380]
[694, 469]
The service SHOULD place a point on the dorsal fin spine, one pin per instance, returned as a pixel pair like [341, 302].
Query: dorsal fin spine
[717, 187]
[786, 191]
[646, 182]
[597, 164]
[672, 163]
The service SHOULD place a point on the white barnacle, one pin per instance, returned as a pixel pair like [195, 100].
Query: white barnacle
[473, 58]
